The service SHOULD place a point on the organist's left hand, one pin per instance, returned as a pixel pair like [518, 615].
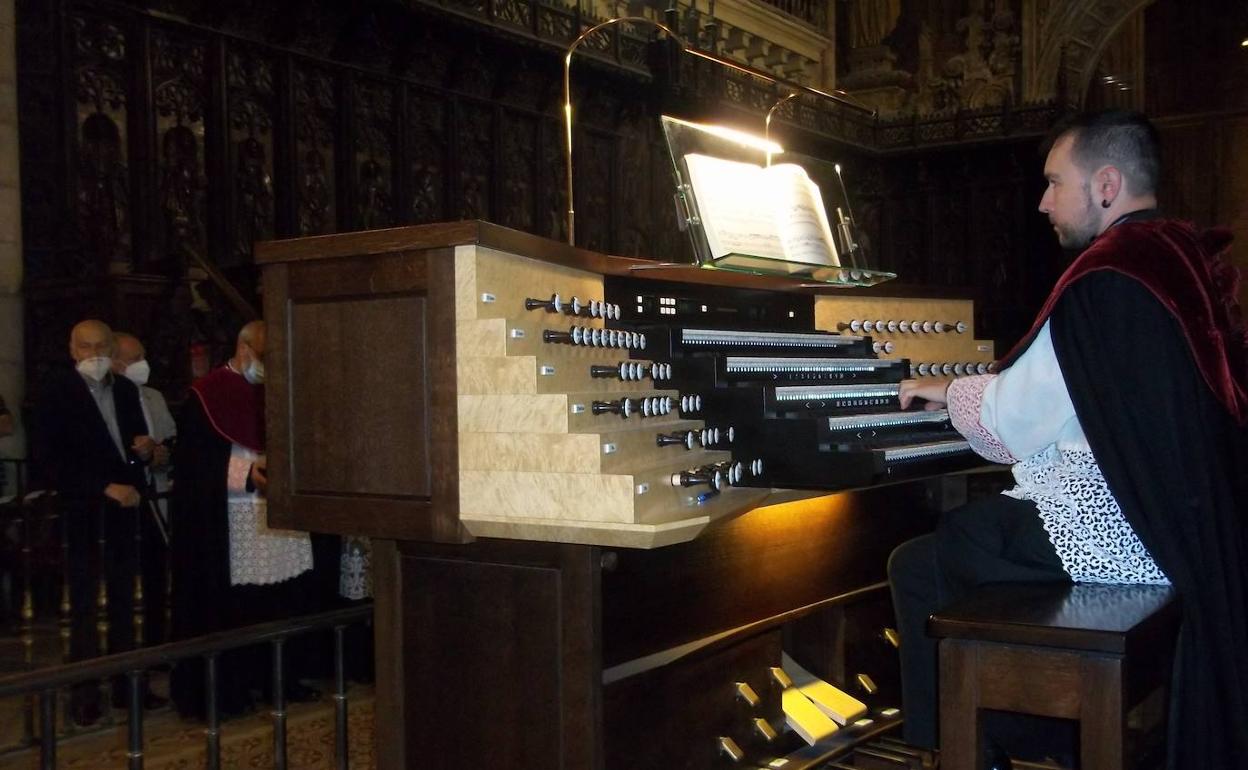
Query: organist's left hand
[931, 392]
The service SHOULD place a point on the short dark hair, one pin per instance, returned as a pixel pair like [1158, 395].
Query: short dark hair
[1124, 139]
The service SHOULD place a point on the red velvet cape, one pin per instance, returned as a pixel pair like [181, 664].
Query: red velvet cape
[235, 407]
[1186, 272]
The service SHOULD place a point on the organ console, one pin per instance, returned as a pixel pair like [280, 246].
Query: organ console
[606, 498]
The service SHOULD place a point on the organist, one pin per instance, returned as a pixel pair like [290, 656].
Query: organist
[1122, 413]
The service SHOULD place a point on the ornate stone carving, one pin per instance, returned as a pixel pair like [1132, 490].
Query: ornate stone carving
[474, 145]
[315, 113]
[103, 183]
[519, 148]
[426, 120]
[1064, 40]
[178, 69]
[374, 155]
[103, 191]
[594, 163]
[982, 75]
[249, 80]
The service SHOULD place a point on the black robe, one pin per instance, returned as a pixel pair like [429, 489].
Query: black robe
[204, 600]
[200, 544]
[1175, 461]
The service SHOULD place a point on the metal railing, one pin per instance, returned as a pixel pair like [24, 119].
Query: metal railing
[134, 665]
[39, 559]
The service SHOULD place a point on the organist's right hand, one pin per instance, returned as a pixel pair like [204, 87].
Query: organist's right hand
[931, 392]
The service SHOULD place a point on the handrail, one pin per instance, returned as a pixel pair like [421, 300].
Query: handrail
[132, 660]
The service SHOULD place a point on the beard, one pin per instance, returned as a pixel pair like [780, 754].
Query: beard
[1085, 226]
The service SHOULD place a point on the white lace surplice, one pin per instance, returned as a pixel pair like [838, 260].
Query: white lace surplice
[259, 555]
[1026, 412]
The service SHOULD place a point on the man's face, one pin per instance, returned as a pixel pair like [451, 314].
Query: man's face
[90, 341]
[1067, 199]
[128, 352]
[255, 348]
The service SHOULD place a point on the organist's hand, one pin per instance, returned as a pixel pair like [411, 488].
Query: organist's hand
[931, 392]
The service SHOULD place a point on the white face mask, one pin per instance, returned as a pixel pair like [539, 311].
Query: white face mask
[254, 372]
[96, 368]
[138, 372]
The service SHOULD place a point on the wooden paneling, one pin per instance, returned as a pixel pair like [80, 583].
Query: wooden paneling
[359, 366]
[389, 631]
[367, 345]
[504, 645]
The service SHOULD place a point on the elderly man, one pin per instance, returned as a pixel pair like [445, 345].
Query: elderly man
[130, 361]
[230, 568]
[91, 441]
[1122, 413]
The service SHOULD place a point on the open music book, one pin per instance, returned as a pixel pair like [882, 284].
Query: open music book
[758, 216]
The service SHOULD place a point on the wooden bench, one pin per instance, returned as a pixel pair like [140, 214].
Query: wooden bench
[1086, 652]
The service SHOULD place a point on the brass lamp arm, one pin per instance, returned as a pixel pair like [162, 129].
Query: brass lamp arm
[567, 99]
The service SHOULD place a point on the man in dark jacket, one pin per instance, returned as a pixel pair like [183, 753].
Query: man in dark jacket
[90, 440]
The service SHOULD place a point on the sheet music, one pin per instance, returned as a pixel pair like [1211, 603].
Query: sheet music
[732, 219]
[800, 216]
[775, 213]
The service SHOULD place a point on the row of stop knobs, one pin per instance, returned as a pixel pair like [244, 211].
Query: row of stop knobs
[631, 371]
[949, 369]
[717, 475]
[608, 311]
[649, 406]
[859, 326]
[597, 338]
[704, 437]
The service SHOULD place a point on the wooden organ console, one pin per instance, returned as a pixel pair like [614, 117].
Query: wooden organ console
[605, 494]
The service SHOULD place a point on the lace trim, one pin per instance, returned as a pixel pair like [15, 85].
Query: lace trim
[1083, 520]
[259, 555]
[965, 397]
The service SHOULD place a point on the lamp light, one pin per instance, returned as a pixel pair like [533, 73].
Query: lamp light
[795, 89]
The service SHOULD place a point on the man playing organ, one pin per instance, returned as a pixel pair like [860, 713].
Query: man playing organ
[1126, 473]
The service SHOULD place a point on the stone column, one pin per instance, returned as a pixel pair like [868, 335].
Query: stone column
[12, 375]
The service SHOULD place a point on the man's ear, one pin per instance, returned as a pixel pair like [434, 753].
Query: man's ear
[1106, 185]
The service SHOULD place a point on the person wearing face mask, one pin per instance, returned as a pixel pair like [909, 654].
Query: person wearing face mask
[90, 441]
[229, 568]
[130, 361]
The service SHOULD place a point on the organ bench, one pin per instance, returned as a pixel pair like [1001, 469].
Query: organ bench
[604, 493]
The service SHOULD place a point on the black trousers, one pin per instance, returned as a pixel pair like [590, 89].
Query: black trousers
[100, 540]
[994, 540]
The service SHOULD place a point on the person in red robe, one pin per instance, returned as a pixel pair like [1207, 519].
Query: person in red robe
[229, 568]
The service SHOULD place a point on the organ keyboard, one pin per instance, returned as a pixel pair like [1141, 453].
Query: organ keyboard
[818, 409]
